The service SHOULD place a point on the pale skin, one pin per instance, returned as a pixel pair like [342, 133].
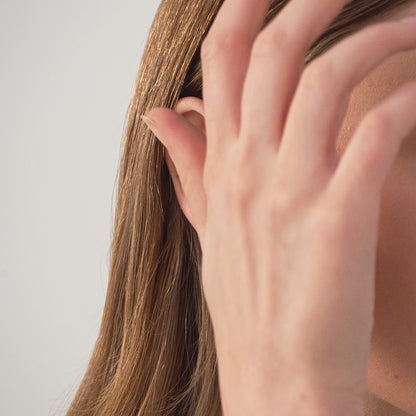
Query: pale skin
[304, 203]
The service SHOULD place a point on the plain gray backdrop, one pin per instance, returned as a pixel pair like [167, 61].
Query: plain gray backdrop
[66, 75]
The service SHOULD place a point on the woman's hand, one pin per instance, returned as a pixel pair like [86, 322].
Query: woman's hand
[288, 228]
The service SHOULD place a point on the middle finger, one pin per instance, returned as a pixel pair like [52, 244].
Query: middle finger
[276, 64]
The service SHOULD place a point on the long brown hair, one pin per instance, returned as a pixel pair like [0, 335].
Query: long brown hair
[155, 352]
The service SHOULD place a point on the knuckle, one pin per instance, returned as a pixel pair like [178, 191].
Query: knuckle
[215, 45]
[381, 31]
[238, 192]
[318, 85]
[283, 197]
[269, 41]
[318, 74]
[377, 123]
[240, 185]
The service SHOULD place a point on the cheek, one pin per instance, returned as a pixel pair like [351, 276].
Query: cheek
[396, 253]
[392, 364]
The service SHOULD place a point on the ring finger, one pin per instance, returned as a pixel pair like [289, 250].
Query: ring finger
[321, 100]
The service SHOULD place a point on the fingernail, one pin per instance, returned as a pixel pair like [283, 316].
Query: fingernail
[151, 124]
[408, 19]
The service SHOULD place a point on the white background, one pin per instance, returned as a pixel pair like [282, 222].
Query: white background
[67, 71]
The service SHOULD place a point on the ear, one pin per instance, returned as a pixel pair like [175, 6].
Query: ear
[182, 132]
[192, 108]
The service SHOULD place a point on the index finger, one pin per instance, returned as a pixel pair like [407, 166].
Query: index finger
[225, 54]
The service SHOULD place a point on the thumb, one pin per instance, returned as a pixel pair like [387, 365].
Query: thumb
[185, 158]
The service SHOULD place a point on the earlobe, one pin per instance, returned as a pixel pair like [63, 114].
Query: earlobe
[192, 108]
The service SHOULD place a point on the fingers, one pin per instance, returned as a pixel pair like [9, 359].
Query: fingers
[321, 101]
[224, 59]
[276, 63]
[185, 159]
[369, 156]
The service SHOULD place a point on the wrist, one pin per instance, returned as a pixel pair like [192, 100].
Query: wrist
[248, 394]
